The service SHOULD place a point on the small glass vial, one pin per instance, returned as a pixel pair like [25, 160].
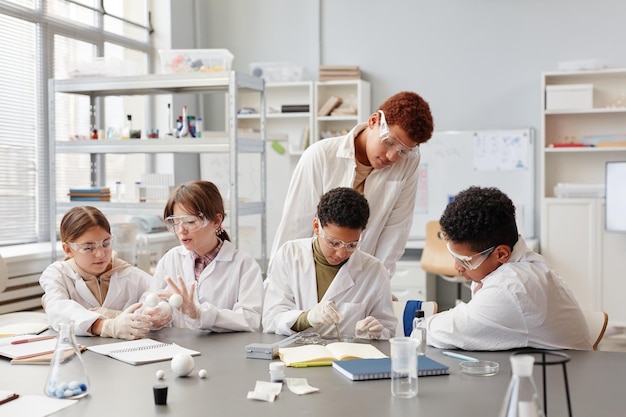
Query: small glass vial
[143, 252]
[419, 332]
[199, 127]
[67, 377]
[521, 398]
[118, 191]
[277, 371]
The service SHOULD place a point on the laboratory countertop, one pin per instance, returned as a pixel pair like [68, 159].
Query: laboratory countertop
[119, 389]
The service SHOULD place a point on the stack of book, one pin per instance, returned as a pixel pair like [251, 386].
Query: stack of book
[90, 194]
[339, 72]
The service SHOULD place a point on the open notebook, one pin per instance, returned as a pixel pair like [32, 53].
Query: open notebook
[137, 352]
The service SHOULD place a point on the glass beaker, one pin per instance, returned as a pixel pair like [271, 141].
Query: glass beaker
[67, 377]
[403, 367]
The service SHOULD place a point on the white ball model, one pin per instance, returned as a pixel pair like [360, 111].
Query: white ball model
[165, 307]
[176, 300]
[182, 364]
[151, 300]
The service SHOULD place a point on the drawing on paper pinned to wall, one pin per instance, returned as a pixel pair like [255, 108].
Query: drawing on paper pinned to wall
[454, 160]
[501, 150]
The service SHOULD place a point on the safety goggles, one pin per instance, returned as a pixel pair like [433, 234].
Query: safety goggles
[471, 262]
[392, 142]
[337, 244]
[89, 248]
[188, 222]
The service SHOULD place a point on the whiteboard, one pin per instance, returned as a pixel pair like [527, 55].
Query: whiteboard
[451, 161]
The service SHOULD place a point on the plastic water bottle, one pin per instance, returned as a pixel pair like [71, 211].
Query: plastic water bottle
[521, 398]
[419, 333]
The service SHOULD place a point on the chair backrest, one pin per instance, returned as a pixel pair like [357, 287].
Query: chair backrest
[596, 322]
[435, 257]
[405, 314]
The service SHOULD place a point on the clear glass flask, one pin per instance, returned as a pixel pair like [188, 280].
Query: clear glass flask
[67, 377]
[522, 399]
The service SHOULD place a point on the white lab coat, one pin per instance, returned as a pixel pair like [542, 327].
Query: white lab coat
[67, 296]
[229, 290]
[523, 303]
[361, 288]
[390, 192]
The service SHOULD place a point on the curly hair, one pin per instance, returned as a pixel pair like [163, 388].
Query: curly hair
[344, 207]
[411, 113]
[480, 217]
[201, 198]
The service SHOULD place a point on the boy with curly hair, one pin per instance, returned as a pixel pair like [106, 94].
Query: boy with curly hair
[327, 281]
[518, 300]
[379, 159]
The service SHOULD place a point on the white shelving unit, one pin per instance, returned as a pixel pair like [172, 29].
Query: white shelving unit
[230, 142]
[573, 236]
[293, 131]
[356, 94]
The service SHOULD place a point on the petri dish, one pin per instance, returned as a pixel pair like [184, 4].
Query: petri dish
[308, 338]
[479, 368]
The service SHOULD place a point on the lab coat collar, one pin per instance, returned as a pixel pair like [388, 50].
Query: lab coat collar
[344, 280]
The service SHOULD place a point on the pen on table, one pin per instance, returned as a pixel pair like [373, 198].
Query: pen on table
[310, 364]
[32, 339]
[7, 334]
[459, 356]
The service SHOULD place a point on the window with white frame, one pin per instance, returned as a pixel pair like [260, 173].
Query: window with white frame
[43, 39]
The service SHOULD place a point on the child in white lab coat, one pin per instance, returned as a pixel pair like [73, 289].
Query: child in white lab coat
[518, 300]
[317, 283]
[221, 286]
[92, 287]
[378, 158]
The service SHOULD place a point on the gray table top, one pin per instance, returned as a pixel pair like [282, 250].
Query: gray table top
[118, 389]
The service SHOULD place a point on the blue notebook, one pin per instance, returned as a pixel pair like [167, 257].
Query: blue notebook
[364, 369]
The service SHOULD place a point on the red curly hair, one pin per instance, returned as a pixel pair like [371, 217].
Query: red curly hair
[411, 113]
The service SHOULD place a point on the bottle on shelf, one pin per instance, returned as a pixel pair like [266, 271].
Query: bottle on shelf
[128, 125]
[419, 332]
[199, 127]
[521, 397]
[118, 191]
[184, 125]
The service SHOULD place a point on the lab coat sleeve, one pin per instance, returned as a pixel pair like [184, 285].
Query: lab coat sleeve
[305, 190]
[245, 315]
[280, 310]
[382, 305]
[491, 321]
[392, 240]
[57, 283]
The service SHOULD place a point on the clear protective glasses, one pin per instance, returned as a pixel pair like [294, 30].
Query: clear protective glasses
[337, 244]
[89, 248]
[468, 262]
[188, 222]
[392, 142]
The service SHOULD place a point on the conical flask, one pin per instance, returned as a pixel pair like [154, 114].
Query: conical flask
[521, 398]
[67, 377]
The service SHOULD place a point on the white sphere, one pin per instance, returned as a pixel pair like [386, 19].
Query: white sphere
[165, 307]
[182, 364]
[202, 373]
[176, 300]
[151, 300]
[160, 374]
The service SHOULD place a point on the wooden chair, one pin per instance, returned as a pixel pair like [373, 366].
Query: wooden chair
[596, 322]
[437, 260]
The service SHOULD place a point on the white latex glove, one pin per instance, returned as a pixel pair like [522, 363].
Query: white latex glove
[158, 317]
[368, 328]
[128, 325]
[189, 307]
[324, 313]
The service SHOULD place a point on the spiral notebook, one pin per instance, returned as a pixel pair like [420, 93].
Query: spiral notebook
[137, 352]
[366, 369]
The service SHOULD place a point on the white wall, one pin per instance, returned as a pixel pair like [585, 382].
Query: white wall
[477, 62]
